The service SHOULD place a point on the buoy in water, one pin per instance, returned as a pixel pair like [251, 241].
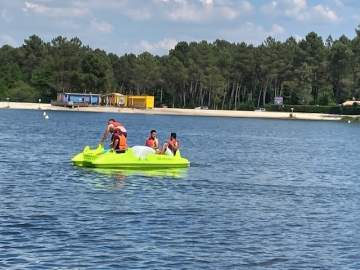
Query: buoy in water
[44, 113]
[349, 122]
[46, 117]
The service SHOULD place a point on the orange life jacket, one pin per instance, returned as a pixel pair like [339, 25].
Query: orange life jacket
[173, 145]
[122, 143]
[150, 142]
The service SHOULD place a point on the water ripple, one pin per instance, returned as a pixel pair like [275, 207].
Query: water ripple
[261, 194]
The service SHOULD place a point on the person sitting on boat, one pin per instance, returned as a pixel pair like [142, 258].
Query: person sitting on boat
[112, 127]
[171, 145]
[118, 142]
[152, 141]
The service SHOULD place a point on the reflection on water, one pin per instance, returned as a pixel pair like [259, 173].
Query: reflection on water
[110, 179]
[121, 174]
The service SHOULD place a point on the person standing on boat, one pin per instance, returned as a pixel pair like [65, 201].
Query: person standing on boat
[113, 127]
[152, 141]
[172, 144]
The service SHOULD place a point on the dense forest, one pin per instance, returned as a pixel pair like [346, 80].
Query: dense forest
[220, 75]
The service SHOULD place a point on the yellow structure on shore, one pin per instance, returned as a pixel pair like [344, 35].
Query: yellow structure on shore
[114, 99]
[119, 100]
[140, 102]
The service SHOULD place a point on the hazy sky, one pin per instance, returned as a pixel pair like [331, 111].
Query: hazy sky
[121, 26]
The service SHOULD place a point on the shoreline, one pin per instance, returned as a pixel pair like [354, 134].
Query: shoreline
[175, 111]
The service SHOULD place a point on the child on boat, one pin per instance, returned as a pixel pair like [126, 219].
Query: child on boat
[172, 144]
[118, 142]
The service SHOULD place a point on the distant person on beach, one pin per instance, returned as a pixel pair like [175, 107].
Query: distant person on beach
[152, 141]
[118, 142]
[113, 127]
[171, 145]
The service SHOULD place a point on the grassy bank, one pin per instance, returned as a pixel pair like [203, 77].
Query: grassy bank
[336, 109]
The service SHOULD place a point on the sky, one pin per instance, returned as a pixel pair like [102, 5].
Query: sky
[135, 26]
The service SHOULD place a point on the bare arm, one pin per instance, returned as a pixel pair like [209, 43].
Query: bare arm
[104, 136]
[163, 150]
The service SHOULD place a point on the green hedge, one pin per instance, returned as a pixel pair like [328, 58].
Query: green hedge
[245, 107]
[305, 109]
[352, 110]
[336, 109]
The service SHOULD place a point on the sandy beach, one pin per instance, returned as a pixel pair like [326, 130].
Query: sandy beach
[174, 111]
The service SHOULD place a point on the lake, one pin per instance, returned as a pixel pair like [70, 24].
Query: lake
[272, 194]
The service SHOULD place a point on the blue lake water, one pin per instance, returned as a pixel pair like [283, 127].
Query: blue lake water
[270, 194]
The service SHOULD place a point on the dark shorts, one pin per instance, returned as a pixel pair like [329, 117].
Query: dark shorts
[117, 135]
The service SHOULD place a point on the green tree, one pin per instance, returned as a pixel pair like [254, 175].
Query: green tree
[339, 67]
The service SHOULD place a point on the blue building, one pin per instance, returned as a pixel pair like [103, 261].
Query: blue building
[78, 99]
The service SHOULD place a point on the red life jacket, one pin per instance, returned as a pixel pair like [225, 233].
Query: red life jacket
[118, 126]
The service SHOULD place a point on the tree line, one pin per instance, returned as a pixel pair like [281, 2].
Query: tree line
[219, 74]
